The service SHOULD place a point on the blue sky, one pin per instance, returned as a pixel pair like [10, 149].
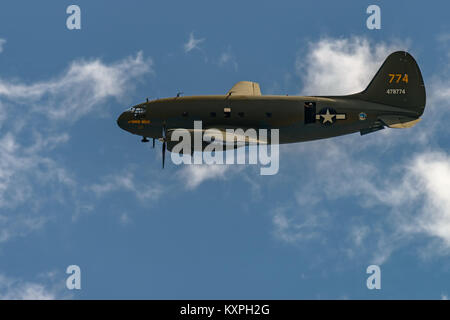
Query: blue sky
[75, 189]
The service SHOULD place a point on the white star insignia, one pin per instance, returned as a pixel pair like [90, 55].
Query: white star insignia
[327, 117]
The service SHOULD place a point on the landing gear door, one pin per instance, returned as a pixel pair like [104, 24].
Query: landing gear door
[310, 112]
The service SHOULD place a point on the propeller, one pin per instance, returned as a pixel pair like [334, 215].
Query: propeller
[153, 143]
[163, 145]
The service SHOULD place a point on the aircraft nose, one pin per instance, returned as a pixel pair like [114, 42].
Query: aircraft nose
[122, 121]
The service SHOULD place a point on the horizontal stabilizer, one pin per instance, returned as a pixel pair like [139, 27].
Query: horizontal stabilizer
[393, 121]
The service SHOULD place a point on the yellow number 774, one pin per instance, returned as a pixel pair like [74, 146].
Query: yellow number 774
[398, 77]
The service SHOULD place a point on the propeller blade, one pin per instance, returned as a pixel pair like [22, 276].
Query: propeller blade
[164, 145]
[163, 153]
[153, 143]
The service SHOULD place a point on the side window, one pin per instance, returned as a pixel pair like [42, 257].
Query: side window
[227, 112]
[310, 112]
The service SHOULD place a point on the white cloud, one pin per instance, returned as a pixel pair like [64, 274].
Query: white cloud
[23, 173]
[298, 227]
[30, 176]
[400, 195]
[194, 175]
[83, 86]
[438, 107]
[409, 199]
[18, 164]
[417, 196]
[127, 181]
[425, 191]
[2, 43]
[359, 233]
[19, 225]
[340, 66]
[16, 289]
[192, 43]
[228, 58]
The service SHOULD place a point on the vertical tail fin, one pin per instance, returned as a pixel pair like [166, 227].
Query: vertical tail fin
[398, 83]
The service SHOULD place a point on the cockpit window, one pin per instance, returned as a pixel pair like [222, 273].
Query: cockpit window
[138, 112]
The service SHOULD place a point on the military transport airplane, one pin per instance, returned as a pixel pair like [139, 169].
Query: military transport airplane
[395, 98]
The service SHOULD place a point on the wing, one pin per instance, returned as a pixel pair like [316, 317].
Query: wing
[245, 88]
[234, 136]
